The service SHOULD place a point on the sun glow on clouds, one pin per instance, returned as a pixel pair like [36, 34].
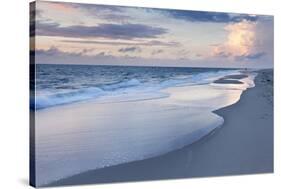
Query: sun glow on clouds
[181, 38]
[61, 7]
[240, 40]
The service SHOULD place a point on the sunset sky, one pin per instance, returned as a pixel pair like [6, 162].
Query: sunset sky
[69, 33]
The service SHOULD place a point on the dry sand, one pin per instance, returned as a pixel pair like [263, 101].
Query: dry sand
[242, 145]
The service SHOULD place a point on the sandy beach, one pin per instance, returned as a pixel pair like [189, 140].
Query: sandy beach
[118, 95]
[242, 145]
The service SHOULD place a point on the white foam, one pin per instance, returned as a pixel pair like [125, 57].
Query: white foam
[129, 89]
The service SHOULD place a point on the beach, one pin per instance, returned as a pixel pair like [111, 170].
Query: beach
[243, 144]
[123, 97]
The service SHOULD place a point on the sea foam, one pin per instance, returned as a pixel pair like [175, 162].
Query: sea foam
[131, 89]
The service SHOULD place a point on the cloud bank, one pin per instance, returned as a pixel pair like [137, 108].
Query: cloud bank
[112, 31]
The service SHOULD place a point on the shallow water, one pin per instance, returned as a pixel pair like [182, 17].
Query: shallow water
[119, 128]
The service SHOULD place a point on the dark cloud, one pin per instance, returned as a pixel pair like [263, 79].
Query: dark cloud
[130, 49]
[241, 17]
[57, 56]
[118, 13]
[54, 51]
[148, 43]
[106, 12]
[84, 51]
[202, 16]
[160, 43]
[253, 56]
[111, 13]
[101, 54]
[157, 51]
[112, 31]
[223, 54]
[116, 17]
[49, 52]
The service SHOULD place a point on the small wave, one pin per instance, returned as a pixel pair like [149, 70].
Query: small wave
[44, 101]
[131, 89]
[122, 84]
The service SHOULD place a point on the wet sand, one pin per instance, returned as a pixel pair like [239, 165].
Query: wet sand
[231, 79]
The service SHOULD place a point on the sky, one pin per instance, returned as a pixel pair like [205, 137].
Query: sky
[71, 33]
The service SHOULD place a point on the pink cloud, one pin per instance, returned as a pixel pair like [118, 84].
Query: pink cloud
[241, 40]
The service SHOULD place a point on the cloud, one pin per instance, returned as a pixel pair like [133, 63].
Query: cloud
[251, 56]
[106, 12]
[97, 8]
[56, 56]
[160, 43]
[49, 52]
[248, 41]
[59, 6]
[121, 31]
[112, 31]
[130, 49]
[115, 17]
[119, 13]
[54, 51]
[222, 54]
[241, 40]
[101, 54]
[157, 51]
[202, 16]
[148, 43]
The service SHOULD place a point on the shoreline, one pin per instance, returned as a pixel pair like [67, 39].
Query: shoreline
[217, 154]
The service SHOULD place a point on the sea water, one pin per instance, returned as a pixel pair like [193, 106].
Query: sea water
[64, 84]
[91, 117]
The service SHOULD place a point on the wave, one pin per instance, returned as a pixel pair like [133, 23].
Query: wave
[129, 90]
[120, 85]
[44, 101]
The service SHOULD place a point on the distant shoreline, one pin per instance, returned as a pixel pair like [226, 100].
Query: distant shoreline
[242, 145]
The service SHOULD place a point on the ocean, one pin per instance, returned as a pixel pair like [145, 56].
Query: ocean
[91, 117]
[64, 84]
